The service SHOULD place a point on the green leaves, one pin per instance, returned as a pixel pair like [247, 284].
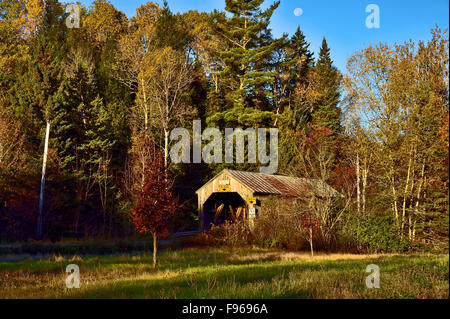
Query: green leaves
[248, 49]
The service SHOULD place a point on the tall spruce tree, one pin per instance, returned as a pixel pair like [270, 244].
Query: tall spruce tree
[328, 84]
[292, 64]
[83, 135]
[171, 30]
[32, 91]
[246, 67]
[299, 55]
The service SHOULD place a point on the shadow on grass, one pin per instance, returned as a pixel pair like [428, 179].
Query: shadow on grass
[242, 280]
[222, 273]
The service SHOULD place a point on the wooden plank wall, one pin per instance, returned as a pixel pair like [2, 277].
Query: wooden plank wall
[213, 187]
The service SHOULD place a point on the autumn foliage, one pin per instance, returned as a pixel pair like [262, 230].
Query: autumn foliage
[115, 88]
[156, 203]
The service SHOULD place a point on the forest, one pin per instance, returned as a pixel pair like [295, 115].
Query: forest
[108, 90]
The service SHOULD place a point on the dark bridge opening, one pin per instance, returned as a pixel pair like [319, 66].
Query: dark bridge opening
[221, 207]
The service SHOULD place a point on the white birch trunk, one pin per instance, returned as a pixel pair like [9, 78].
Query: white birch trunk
[358, 183]
[41, 196]
[166, 148]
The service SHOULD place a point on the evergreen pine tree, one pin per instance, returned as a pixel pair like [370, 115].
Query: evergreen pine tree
[33, 91]
[292, 64]
[249, 47]
[170, 30]
[328, 83]
[299, 56]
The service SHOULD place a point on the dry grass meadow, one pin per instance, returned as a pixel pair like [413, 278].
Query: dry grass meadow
[196, 273]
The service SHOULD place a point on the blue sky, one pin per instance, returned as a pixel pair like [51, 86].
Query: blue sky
[343, 23]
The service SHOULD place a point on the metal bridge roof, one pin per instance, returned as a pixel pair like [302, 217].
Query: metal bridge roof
[281, 185]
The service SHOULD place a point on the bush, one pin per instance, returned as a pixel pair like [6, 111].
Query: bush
[374, 233]
[277, 226]
[232, 234]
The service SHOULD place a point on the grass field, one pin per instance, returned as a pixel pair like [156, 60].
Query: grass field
[225, 273]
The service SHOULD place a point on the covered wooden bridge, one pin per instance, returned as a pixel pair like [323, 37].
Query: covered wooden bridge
[240, 195]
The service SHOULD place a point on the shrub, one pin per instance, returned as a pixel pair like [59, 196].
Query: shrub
[374, 233]
[232, 234]
[280, 224]
[277, 226]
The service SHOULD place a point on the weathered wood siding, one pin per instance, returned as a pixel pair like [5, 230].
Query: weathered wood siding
[213, 187]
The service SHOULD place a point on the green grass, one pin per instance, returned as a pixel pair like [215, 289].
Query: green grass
[225, 273]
